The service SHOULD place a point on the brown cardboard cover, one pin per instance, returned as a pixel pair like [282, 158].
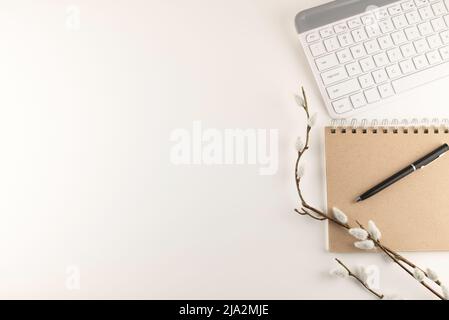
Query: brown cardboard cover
[412, 214]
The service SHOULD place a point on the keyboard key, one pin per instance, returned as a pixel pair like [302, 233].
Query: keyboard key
[400, 22]
[317, 49]
[368, 19]
[354, 69]
[386, 26]
[385, 42]
[372, 46]
[381, 14]
[345, 39]
[358, 100]
[426, 13]
[344, 56]
[434, 41]
[331, 44]
[439, 8]
[354, 23]
[334, 75]
[359, 35]
[425, 28]
[343, 89]
[408, 5]
[358, 51]
[342, 106]
[445, 53]
[446, 18]
[366, 80]
[413, 17]
[328, 32]
[326, 62]
[421, 45]
[417, 79]
[380, 76]
[394, 71]
[367, 64]
[412, 33]
[398, 37]
[312, 37]
[394, 55]
[373, 31]
[420, 3]
[408, 50]
[386, 90]
[407, 66]
[372, 95]
[396, 9]
[341, 27]
[438, 24]
[434, 57]
[445, 36]
[420, 62]
[381, 59]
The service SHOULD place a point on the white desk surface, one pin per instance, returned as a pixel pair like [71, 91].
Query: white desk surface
[85, 172]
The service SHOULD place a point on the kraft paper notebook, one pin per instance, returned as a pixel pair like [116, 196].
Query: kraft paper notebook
[413, 214]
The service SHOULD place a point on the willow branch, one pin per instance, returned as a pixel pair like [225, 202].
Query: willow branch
[305, 213]
[411, 264]
[351, 274]
[321, 216]
[395, 260]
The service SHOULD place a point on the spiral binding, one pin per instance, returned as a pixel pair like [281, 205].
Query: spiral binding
[414, 126]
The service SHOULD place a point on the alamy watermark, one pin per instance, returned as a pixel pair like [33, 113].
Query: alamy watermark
[73, 278]
[73, 18]
[200, 146]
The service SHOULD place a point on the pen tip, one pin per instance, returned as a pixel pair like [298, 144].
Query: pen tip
[358, 199]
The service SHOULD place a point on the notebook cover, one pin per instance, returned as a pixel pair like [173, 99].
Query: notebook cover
[412, 214]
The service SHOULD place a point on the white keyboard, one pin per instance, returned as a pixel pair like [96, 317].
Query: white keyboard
[367, 59]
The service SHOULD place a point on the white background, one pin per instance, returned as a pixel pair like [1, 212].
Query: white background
[85, 172]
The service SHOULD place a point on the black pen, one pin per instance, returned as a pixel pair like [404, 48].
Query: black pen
[421, 163]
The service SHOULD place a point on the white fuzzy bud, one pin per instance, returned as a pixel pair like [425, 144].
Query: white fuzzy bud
[419, 275]
[299, 100]
[365, 245]
[300, 172]
[299, 145]
[312, 120]
[432, 275]
[360, 272]
[339, 273]
[374, 231]
[358, 233]
[340, 216]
